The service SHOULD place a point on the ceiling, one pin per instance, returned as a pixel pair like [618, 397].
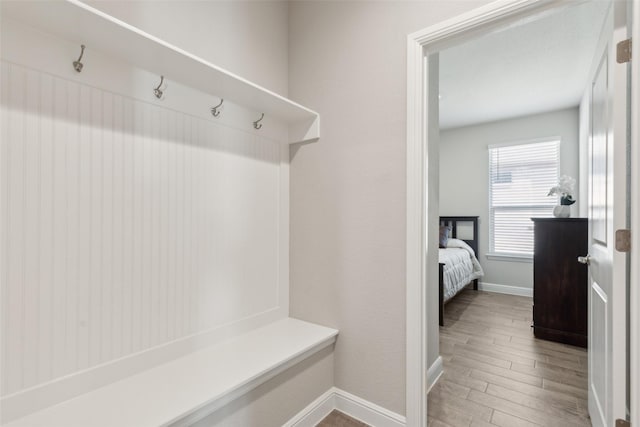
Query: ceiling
[531, 67]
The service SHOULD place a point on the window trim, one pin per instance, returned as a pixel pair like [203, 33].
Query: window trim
[491, 254]
[511, 143]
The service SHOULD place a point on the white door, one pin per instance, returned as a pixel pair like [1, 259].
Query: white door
[607, 213]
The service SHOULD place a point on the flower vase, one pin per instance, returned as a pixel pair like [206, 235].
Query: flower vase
[562, 211]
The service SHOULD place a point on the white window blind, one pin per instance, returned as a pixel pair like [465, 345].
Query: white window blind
[520, 177]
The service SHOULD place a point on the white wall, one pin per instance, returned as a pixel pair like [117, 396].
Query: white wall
[347, 60]
[464, 176]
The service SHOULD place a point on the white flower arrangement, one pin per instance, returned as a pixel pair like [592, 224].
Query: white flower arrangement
[565, 188]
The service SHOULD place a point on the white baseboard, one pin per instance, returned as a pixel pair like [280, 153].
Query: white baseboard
[315, 412]
[367, 412]
[353, 406]
[434, 373]
[505, 289]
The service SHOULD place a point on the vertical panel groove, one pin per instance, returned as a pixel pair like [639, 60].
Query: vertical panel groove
[73, 226]
[30, 242]
[4, 77]
[14, 304]
[24, 230]
[46, 245]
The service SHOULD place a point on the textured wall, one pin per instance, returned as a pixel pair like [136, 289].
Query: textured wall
[347, 60]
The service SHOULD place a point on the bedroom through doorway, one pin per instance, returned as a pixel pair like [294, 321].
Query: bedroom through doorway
[512, 125]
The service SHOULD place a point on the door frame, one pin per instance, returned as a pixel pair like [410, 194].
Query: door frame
[634, 291]
[422, 159]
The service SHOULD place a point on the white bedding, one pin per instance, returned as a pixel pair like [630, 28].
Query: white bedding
[461, 267]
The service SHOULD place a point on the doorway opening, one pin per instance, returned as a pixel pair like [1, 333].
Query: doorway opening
[426, 54]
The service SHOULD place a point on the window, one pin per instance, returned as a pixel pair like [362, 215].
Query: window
[520, 177]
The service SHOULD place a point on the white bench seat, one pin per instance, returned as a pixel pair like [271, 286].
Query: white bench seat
[186, 389]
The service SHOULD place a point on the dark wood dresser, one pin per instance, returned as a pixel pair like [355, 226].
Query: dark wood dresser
[560, 286]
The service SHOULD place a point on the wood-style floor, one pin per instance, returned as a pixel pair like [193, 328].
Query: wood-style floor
[338, 419]
[497, 374]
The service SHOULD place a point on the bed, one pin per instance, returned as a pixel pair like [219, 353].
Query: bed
[458, 264]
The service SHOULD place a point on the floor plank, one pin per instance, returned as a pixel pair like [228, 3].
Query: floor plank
[463, 378]
[496, 373]
[339, 419]
[506, 420]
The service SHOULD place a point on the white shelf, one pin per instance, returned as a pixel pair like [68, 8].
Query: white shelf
[193, 386]
[83, 24]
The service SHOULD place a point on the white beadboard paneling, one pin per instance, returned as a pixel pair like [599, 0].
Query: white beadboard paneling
[15, 228]
[95, 233]
[60, 190]
[4, 206]
[126, 226]
[31, 238]
[170, 302]
[178, 278]
[83, 299]
[138, 256]
[73, 179]
[128, 176]
[155, 215]
[196, 186]
[106, 228]
[45, 230]
[117, 222]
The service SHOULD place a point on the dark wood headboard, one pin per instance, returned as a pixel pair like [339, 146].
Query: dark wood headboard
[452, 221]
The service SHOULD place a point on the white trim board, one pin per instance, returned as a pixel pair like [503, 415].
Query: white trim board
[634, 261]
[505, 289]
[434, 373]
[36, 50]
[79, 23]
[349, 404]
[314, 412]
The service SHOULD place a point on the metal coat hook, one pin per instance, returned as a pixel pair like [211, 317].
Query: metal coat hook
[158, 92]
[257, 124]
[214, 110]
[77, 65]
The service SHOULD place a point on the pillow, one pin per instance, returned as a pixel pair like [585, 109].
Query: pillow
[444, 235]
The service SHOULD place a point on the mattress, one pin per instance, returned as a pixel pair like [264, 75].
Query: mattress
[460, 267]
